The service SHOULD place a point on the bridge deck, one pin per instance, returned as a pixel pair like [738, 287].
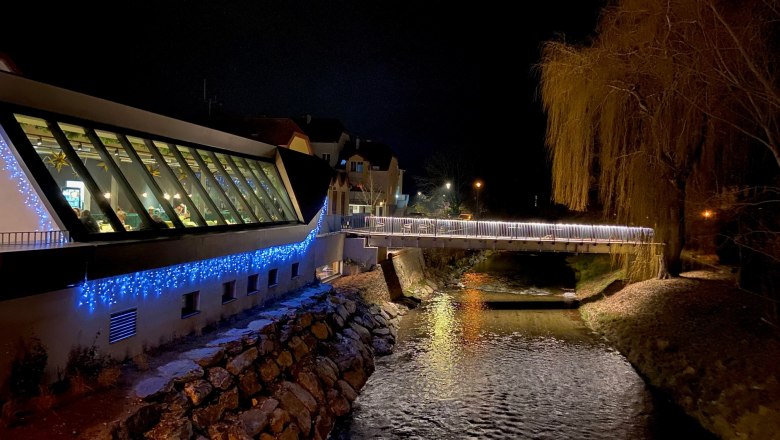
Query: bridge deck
[417, 232]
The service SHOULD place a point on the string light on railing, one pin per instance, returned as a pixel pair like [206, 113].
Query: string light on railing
[109, 291]
[31, 198]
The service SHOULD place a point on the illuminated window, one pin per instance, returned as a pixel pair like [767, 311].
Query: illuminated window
[357, 167]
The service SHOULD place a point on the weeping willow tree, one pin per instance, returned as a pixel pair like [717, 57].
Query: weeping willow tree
[667, 91]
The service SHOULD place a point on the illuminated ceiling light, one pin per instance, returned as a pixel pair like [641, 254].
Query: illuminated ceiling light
[79, 147]
[176, 196]
[116, 152]
[707, 214]
[167, 196]
[107, 195]
[144, 195]
[40, 141]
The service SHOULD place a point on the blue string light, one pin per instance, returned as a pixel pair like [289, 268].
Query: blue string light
[155, 282]
[31, 199]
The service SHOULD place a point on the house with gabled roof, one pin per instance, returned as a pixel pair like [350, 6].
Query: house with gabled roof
[376, 181]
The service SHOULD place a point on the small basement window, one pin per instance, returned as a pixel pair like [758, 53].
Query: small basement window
[251, 284]
[228, 291]
[272, 277]
[189, 304]
[294, 270]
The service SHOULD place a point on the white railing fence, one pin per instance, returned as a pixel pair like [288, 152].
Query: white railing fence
[494, 229]
[34, 237]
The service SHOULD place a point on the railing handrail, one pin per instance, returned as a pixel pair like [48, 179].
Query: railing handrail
[34, 237]
[418, 226]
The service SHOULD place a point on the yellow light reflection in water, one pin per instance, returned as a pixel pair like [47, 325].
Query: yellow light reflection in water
[472, 314]
[441, 354]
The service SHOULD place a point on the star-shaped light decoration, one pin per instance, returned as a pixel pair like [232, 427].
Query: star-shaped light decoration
[57, 161]
[154, 171]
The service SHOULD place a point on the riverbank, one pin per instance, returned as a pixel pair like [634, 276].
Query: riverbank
[704, 343]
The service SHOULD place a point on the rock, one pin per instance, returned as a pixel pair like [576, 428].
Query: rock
[269, 370]
[249, 340]
[249, 384]
[265, 345]
[298, 348]
[153, 387]
[347, 390]
[662, 344]
[356, 378]
[323, 424]
[220, 378]
[232, 344]
[142, 420]
[304, 396]
[254, 420]
[342, 312]
[350, 306]
[345, 354]
[228, 431]
[310, 341]
[381, 320]
[352, 334]
[177, 404]
[205, 357]
[197, 391]
[327, 371]
[381, 331]
[284, 359]
[204, 417]
[365, 335]
[305, 320]
[240, 363]
[382, 346]
[292, 433]
[308, 380]
[320, 330]
[182, 370]
[338, 405]
[266, 436]
[298, 410]
[279, 419]
[338, 321]
[171, 429]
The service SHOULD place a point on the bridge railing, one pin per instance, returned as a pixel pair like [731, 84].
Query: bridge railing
[496, 229]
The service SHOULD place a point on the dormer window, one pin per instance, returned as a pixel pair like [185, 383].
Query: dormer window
[357, 167]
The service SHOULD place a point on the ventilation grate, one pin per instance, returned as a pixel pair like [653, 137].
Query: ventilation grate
[122, 325]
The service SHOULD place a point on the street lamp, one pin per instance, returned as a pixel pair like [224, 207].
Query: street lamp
[478, 185]
[447, 184]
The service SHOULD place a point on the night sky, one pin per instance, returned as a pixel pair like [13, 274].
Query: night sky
[419, 76]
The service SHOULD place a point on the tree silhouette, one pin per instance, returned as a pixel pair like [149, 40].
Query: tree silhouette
[665, 96]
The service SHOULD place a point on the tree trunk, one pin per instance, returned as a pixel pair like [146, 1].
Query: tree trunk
[676, 241]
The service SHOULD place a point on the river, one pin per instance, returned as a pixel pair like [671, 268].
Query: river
[466, 369]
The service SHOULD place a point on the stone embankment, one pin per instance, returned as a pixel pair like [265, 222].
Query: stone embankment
[288, 374]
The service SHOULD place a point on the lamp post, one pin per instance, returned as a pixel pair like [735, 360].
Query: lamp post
[478, 185]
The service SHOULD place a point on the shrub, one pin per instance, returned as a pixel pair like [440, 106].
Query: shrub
[28, 368]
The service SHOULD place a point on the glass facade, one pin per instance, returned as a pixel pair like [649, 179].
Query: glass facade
[115, 181]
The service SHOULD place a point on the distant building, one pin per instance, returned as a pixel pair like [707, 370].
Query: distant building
[376, 181]
[327, 136]
[281, 132]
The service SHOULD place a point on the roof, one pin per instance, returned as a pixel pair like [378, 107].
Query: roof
[321, 129]
[377, 153]
[274, 131]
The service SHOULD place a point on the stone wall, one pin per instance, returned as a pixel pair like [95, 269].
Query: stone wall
[288, 374]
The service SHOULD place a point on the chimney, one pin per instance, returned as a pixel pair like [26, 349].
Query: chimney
[357, 143]
[308, 119]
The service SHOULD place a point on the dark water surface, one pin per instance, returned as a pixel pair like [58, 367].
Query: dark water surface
[462, 370]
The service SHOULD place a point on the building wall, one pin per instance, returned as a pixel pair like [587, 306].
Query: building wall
[332, 148]
[62, 324]
[300, 144]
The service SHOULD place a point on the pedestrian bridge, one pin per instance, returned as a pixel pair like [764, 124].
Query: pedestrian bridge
[395, 232]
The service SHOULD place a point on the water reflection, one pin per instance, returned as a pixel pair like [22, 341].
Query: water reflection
[462, 370]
